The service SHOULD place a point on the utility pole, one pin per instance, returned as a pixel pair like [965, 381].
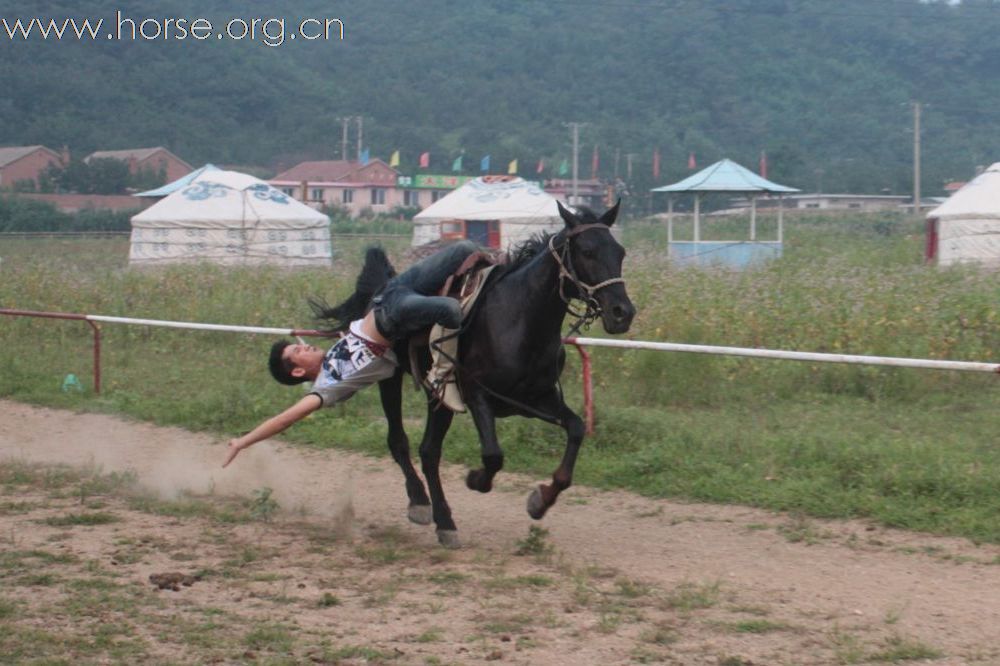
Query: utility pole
[343, 137]
[916, 158]
[576, 161]
[360, 123]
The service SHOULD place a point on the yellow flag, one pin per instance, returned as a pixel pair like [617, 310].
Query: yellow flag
[394, 160]
[512, 167]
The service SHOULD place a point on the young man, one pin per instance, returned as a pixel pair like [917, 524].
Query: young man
[364, 355]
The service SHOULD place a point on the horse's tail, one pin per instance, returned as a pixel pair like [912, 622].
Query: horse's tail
[374, 274]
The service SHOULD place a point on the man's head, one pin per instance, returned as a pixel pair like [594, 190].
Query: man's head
[292, 364]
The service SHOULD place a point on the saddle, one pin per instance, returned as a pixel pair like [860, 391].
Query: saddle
[465, 285]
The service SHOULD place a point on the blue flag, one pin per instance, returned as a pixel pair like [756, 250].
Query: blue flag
[365, 156]
[484, 164]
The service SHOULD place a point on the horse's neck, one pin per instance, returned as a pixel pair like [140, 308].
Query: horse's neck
[538, 292]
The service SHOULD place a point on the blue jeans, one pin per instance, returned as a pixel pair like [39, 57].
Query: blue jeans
[409, 302]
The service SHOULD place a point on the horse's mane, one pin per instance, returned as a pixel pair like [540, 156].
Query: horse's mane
[377, 270]
[521, 254]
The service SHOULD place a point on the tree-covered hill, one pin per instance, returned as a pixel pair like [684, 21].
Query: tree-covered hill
[825, 88]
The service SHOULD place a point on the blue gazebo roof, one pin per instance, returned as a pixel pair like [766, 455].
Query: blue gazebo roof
[170, 188]
[726, 176]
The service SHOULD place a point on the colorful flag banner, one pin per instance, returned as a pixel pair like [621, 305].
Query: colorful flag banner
[484, 164]
[394, 160]
[541, 166]
[656, 163]
[457, 164]
[564, 168]
[512, 167]
[692, 164]
[365, 156]
[763, 164]
[425, 160]
[595, 162]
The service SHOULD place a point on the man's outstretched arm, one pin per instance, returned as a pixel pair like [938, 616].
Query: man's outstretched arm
[274, 425]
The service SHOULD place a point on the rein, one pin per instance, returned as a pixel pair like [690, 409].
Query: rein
[567, 273]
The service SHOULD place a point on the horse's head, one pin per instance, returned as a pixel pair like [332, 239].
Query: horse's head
[591, 262]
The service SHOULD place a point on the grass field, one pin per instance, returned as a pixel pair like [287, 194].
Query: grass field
[909, 448]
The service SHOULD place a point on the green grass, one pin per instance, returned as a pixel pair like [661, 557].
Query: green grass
[910, 448]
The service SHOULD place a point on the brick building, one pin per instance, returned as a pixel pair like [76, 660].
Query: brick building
[21, 164]
[151, 159]
[345, 184]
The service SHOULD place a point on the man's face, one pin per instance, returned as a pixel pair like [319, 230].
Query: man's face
[306, 359]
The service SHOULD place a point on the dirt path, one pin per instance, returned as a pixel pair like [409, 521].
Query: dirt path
[824, 579]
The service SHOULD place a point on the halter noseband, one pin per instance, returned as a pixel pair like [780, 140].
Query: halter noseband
[567, 273]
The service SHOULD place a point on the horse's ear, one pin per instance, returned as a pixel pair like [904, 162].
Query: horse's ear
[611, 214]
[567, 215]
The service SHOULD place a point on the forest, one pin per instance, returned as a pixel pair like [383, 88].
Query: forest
[825, 90]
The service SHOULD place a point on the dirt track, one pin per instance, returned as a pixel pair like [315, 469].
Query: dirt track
[820, 579]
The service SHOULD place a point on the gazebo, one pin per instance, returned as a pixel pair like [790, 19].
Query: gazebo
[727, 177]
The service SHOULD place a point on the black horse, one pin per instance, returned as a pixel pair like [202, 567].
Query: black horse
[510, 355]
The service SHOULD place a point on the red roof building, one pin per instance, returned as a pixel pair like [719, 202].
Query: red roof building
[153, 159]
[344, 184]
[21, 165]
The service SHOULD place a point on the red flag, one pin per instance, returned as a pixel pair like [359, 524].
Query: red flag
[541, 166]
[763, 164]
[691, 163]
[595, 162]
[425, 160]
[656, 163]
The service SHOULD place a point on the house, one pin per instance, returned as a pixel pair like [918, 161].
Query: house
[21, 165]
[154, 160]
[589, 192]
[347, 184]
[853, 202]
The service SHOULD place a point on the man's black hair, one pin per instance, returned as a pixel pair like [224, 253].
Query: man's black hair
[281, 368]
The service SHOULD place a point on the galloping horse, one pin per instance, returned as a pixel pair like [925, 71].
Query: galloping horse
[510, 355]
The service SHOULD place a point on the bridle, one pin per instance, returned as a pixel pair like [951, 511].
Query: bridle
[568, 273]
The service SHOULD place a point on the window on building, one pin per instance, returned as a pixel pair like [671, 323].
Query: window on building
[347, 196]
[378, 196]
[854, 205]
[290, 191]
[316, 194]
[411, 197]
[812, 205]
[436, 194]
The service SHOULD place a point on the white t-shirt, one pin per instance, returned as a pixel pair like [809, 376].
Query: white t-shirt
[353, 363]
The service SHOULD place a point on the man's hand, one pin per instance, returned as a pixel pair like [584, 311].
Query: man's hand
[233, 450]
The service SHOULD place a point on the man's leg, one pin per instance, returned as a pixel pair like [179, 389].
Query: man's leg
[407, 305]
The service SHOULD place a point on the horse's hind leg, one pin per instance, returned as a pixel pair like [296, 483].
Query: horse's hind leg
[390, 391]
[438, 422]
[544, 496]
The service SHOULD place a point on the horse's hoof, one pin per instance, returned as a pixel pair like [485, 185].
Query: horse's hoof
[449, 538]
[473, 480]
[420, 514]
[536, 506]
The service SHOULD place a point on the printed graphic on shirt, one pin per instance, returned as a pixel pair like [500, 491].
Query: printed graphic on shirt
[344, 359]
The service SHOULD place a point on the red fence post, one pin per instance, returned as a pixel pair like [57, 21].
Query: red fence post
[588, 385]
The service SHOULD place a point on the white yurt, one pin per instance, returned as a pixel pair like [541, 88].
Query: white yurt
[227, 217]
[966, 227]
[494, 211]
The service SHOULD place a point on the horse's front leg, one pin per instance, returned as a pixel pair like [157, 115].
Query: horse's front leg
[492, 454]
[438, 422]
[544, 496]
[390, 391]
